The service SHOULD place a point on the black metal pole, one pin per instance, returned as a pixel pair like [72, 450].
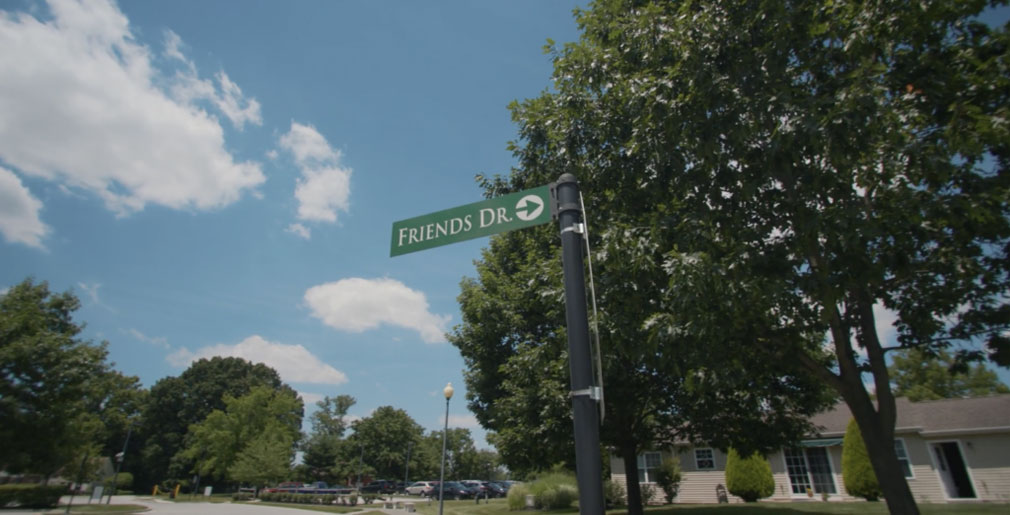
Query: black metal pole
[588, 462]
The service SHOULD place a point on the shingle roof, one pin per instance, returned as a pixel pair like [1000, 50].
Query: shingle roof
[943, 416]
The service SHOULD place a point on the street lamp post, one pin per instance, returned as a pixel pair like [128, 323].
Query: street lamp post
[119, 462]
[441, 476]
[406, 467]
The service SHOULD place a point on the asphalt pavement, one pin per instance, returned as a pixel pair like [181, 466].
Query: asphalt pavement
[165, 507]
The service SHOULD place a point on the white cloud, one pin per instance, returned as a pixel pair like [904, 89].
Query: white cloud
[357, 304]
[322, 192]
[80, 107]
[308, 146]
[468, 421]
[310, 399]
[91, 290]
[324, 186]
[300, 230]
[294, 363]
[157, 341]
[19, 211]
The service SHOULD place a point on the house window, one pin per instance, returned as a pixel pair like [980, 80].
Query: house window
[704, 459]
[647, 464]
[906, 464]
[810, 468]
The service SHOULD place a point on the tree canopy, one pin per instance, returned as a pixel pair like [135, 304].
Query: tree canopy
[921, 377]
[59, 397]
[250, 430]
[175, 403]
[786, 167]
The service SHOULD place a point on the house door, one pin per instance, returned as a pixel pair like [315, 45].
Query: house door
[952, 470]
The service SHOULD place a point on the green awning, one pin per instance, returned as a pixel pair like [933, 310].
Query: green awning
[823, 442]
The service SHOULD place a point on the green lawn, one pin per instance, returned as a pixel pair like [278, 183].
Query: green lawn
[498, 507]
[861, 508]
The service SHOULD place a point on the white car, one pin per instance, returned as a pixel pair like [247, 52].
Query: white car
[424, 488]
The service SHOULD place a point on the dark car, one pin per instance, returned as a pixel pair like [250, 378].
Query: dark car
[496, 489]
[479, 488]
[452, 490]
[379, 486]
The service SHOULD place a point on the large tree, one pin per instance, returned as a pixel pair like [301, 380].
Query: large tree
[177, 402]
[322, 447]
[381, 441]
[59, 399]
[801, 165]
[261, 427]
[922, 377]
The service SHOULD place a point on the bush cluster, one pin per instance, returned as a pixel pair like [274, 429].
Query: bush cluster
[30, 496]
[613, 494]
[327, 499]
[551, 491]
[749, 478]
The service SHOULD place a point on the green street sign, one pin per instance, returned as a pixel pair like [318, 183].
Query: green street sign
[513, 211]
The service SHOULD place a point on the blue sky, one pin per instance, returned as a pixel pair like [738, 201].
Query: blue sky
[220, 178]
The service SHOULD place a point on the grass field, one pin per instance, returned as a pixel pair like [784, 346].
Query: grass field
[498, 507]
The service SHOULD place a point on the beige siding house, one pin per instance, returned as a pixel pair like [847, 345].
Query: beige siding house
[952, 450]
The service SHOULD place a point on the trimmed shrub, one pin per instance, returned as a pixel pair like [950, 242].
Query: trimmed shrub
[123, 480]
[516, 498]
[31, 496]
[668, 476]
[613, 494]
[241, 496]
[749, 478]
[857, 471]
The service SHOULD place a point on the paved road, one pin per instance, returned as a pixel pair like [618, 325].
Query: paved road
[163, 507]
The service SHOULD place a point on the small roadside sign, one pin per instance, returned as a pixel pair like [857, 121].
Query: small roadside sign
[505, 213]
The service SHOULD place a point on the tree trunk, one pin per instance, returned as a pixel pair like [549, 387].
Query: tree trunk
[630, 456]
[879, 440]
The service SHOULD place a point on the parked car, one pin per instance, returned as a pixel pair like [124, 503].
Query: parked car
[452, 490]
[496, 489]
[475, 486]
[286, 486]
[422, 488]
[379, 486]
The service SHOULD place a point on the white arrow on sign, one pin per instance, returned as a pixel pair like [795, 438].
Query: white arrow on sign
[522, 211]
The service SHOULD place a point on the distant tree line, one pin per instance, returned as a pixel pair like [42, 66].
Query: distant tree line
[63, 408]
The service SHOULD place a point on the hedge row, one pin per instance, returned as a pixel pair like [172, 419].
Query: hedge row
[30, 496]
[347, 500]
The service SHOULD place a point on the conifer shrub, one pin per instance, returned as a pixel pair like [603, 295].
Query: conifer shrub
[857, 471]
[749, 478]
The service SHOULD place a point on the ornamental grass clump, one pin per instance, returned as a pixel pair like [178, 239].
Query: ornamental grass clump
[554, 490]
